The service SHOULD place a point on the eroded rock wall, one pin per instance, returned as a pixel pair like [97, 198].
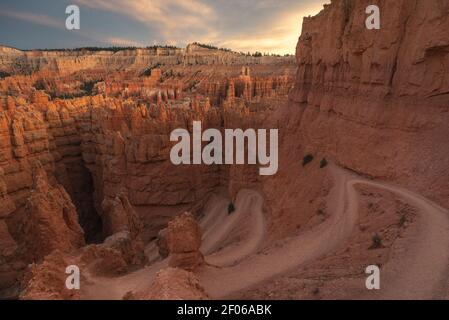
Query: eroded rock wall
[377, 101]
[98, 126]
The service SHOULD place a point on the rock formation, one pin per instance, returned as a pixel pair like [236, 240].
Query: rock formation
[161, 243]
[184, 242]
[174, 284]
[99, 122]
[376, 100]
[47, 280]
[50, 220]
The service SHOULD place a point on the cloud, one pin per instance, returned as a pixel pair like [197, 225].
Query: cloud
[40, 19]
[243, 25]
[279, 36]
[178, 20]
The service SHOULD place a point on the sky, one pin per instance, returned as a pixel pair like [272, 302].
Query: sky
[271, 26]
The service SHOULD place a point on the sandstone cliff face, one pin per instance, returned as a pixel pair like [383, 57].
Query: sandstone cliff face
[34, 203]
[51, 220]
[13, 61]
[376, 101]
[46, 281]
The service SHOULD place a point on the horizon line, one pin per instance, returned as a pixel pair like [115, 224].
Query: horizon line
[124, 47]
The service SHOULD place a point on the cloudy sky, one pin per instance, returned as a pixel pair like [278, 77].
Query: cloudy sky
[242, 25]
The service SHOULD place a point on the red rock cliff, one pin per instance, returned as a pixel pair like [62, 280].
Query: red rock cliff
[377, 101]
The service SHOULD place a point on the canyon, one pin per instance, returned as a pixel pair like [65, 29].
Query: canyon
[362, 115]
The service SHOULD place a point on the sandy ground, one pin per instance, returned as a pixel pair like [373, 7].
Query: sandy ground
[230, 238]
[417, 268]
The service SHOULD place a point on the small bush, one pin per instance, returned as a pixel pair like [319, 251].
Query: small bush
[323, 163]
[307, 159]
[376, 242]
[88, 86]
[231, 208]
[4, 74]
[402, 221]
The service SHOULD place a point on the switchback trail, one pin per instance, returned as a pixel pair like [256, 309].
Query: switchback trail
[417, 269]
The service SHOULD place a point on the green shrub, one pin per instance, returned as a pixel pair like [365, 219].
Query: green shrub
[307, 159]
[376, 242]
[88, 86]
[323, 163]
[403, 220]
[4, 74]
[231, 208]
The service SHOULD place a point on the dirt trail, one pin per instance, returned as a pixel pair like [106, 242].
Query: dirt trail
[103, 288]
[420, 272]
[248, 213]
[418, 269]
[295, 251]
